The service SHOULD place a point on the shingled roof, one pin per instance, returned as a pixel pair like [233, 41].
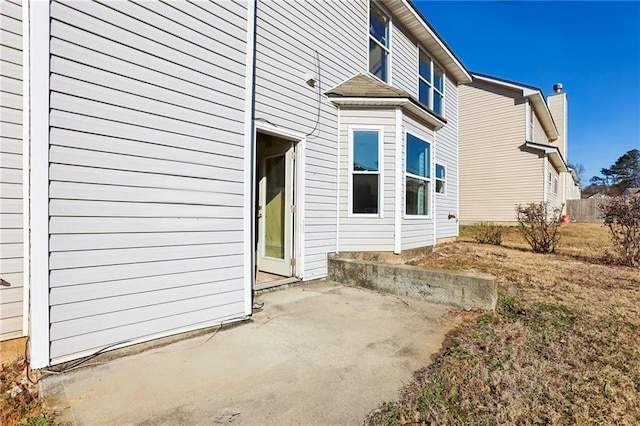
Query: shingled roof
[365, 90]
[365, 86]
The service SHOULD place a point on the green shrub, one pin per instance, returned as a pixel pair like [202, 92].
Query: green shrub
[539, 225]
[487, 233]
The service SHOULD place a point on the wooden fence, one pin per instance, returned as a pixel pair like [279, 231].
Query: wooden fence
[585, 210]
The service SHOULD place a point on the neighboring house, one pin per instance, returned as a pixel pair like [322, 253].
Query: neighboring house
[173, 149]
[513, 149]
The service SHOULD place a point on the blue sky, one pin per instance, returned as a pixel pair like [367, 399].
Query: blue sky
[592, 48]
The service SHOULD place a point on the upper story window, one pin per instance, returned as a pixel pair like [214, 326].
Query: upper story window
[378, 42]
[366, 160]
[430, 83]
[417, 176]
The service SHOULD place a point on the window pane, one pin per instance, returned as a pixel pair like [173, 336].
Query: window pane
[440, 171]
[437, 103]
[424, 66]
[438, 78]
[423, 93]
[418, 156]
[379, 25]
[417, 197]
[365, 150]
[275, 207]
[377, 61]
[439, 186]
[365, 193]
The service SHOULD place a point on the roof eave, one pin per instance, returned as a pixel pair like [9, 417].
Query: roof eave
[552, 152]
[411, 18]
[542, 111]
[405, 103]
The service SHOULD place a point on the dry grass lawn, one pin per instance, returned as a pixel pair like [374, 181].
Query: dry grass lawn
[563, 346]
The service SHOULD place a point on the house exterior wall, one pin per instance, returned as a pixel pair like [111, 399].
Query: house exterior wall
[447, 155]
[496, 173]
[539, 136]
[404, 61]
[554, 186]
[146, 171]
[295, 38]
[417, 231]
[11, 172]
[368, 233]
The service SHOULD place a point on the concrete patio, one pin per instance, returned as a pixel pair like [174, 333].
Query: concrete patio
[320, 354]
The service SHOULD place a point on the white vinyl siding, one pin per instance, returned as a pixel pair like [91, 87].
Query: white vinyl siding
[146, 174]
[331, 41]
[368, 233]
[405, 62]
[446, 153]
[496, 173]
[11, 210]
[417, 231]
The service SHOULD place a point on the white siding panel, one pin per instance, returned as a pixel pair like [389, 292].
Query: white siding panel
[368, 233]
[11, 228]
[146, 170]
[405, 62]
[447, 155]
[416, 232]
[330, 41]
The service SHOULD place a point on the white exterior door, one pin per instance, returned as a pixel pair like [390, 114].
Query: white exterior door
[276, 211]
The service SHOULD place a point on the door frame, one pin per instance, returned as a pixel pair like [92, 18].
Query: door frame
[299, 140]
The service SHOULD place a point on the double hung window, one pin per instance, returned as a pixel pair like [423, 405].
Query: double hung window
[441, 179]
[417, 176]
[430, 83]
[378, 42]
[365, 171]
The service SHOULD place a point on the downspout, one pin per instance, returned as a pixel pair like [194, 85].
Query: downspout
[433, 190]
[26, 157]
[250, 157]
[39, 90]
[545, 169]
[339, 162]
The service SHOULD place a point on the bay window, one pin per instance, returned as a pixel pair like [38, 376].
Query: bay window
[417, 176]
[366, 151]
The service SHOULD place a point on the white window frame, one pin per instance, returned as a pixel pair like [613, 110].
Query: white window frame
[430, 180]
[436, 179]
[380, 172]
[430, 84]
[371, 38]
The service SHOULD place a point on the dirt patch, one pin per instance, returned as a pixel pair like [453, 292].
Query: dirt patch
[19, 400]
[562, 348]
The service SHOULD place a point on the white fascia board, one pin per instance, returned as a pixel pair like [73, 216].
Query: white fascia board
[461, 72]
[405, 103]
[542, 111]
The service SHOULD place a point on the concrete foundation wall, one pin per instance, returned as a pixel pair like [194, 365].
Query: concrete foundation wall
[465, 290]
